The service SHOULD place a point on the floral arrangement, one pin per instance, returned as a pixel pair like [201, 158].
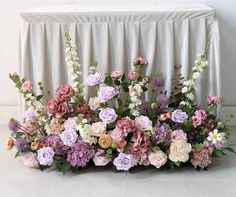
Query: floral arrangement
[130, 121]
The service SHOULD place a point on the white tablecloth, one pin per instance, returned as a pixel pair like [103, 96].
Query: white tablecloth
[166, 38]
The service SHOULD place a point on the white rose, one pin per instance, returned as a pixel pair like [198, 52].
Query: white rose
[94, 103]
[179, 151]
[98, 128]
[157, 159]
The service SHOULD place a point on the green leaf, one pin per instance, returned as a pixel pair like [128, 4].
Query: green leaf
[39, 97]
[108, 80]
[196, 146]
[17, 154]
[230, 149]
[125, 86]
[177, 163]
[123, 77]
[65, 167]
[217, 153]
[117, 82]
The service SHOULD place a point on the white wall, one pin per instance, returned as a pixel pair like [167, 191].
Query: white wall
[9, 27]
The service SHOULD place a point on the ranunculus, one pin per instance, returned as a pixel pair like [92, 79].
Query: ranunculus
[99, 159]
[116, 74]
[57, 108]
[157, 159]
[27, 86]
[143, 123]
[201, 114]
[9, 143]
[179, 151]
[94, 103]
[140, 60]
[124, 162]
[178, 116]
[94, 79]
[45, 156]
[98, 128]
[105, 141]
[196, 121]
[178, 135]
[65, 92]
[69, 137]
[30, 160]
[36, 145]
[108, 115]
[165, 116]
[106, 93]
[132, 75]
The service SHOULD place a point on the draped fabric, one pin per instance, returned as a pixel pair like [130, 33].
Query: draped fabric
[170, 41]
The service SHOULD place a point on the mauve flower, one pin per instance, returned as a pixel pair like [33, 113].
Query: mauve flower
[30, 114]
[45, 156]
[157, 83]
[116, 74]
[13, 125]
[145, 107]
[80, 154]
[30, 160]
[162, 101]
[27, 86]
[209, 124]
[84, 110]
[108, 115]
[125, 124]
[213, 100]
[201, 114]
[94, 79]
[57, 108]
[65, 92]
[69, 137]
[21, 144]
[162, 135]
[132, 75]
[196, 121]
[143, 123]
[106, 93]
[124, 162]
[99, 159]
[140, 60]
[117, 135]
[178, 116]
[157, 159]
[70, 124]
[178, 135]
[29, 128]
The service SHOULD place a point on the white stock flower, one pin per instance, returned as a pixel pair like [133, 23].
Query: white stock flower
[196, 75]
[190, 96]
[185, 89]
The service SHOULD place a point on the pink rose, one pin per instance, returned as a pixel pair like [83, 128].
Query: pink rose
[65, 92]
[57, 108]
[140, 60]
[132, 75]
[196, 121]
[27, 86]
[29, 159]
[178, 135]
[201, 114]
[116, 74]
[117, 135]
[99, 159]
[143, 123]
[213, 100]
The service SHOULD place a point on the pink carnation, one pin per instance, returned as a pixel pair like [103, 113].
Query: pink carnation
[201, 114]
[125, 124]
[213, 100]
[27, 86]
[116, 74]
[196, 121]
[140, 60]
[57, 108]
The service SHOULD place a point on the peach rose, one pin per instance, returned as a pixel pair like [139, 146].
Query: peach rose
[157, 159]
[105, 141]
[56, 126]
[98, 128]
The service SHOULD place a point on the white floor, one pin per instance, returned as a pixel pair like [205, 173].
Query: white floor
[19, 181]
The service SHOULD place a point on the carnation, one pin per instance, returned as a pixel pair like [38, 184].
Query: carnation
[57, 108]
[124, 162]
[106, 93]
[94, 79]
[179, 116]
[45, 156]
[125, 124]
[80, 154]
[108, 115]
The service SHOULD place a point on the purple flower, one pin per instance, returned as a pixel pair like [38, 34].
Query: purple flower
[21, 144]
[45, 156]
[162, 101]
[106, 93]
[80, 154]
[30, 114]
[124, 162]
[145, 107]
[108, 115]
[70, 124]
[13, 125]
[179, 116]
[69, 137]
[94, 79]
[162, 135]
[157, 83]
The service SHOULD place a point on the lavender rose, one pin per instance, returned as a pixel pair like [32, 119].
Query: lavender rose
[179, 116]
[124, 162]
[69, 137]
[94, 79]
[45, 156]
[108, 115]
[106, 93]
[143, 123]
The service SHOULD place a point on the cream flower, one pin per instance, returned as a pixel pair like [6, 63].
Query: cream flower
[215, 136]
[179, 151]
[86, 134]
[94, 103]
[157, 159]
[98, 128]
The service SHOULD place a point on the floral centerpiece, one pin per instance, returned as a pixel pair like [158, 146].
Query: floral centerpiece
[119, 126]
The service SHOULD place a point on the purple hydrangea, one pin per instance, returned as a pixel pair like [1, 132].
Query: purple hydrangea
[95, 79]
[80, 154]
[13, 125]
[108, 115]
[162, 135]
[45, 156]
[162, 101]
[157, 83]
[179, 116]
[106, 93]
[21, 144]
[124, 161]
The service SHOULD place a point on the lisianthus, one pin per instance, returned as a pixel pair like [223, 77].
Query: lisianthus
[143, 123]
[116, 74]
[30, 114]
[213, 100]
[99, 159]
[70, 124]
[162, 134]
[124, 162]
[30, 160]
[27, 86]
[140, 60]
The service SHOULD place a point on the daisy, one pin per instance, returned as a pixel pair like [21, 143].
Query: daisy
[215, 136]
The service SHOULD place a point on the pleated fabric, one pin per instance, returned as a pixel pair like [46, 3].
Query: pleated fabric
[170, 40]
